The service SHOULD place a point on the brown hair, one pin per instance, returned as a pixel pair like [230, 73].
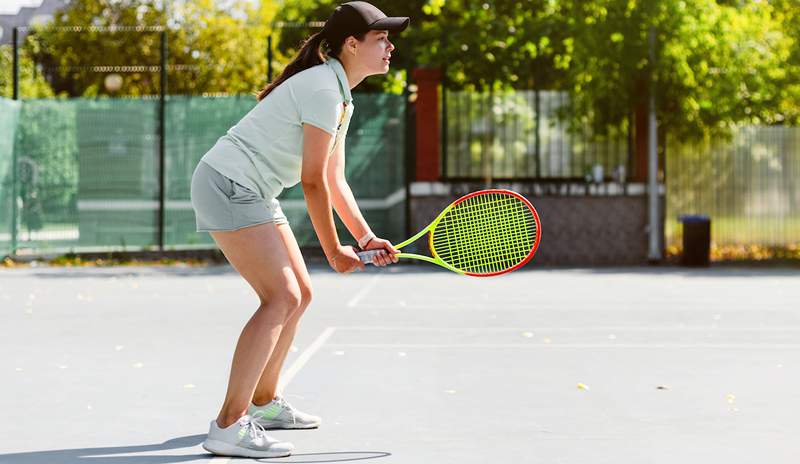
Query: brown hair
[311, 54]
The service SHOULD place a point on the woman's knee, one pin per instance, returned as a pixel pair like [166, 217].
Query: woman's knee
[305, 299]
[287, 299]
[306, 294]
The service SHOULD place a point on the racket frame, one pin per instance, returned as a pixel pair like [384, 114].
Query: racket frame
[439, 261]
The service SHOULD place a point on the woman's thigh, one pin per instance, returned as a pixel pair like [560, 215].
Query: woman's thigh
[260, 255]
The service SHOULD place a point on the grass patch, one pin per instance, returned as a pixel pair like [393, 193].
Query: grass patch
[116, 259]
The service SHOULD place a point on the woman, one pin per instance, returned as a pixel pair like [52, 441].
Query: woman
[295, 133]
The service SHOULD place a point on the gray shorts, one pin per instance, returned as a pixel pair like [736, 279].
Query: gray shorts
[221, 204]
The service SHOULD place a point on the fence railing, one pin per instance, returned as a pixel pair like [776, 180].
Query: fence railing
[86, 174]
[749, 186]
[518, 134]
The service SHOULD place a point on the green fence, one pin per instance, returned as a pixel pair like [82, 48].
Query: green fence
[88, 170]
[9, 114]
[747, 185]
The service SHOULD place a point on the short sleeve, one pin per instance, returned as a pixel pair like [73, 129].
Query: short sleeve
[322, 109]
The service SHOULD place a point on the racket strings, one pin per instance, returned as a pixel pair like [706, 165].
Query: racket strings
[485, 233]
[492, 234]
[501, 254]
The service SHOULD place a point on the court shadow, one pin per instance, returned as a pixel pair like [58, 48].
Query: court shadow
[333, 456]
[112, 454]
[135, 454]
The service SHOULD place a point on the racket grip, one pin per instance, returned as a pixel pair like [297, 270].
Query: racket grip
[366, 256]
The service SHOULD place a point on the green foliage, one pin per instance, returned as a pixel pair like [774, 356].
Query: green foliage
[31, 84]
[211, 49]
[716, 65]
[719, 63]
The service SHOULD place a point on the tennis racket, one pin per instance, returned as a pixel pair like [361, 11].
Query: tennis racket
[484, 233]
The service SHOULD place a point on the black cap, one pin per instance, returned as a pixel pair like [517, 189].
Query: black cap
[354, 18]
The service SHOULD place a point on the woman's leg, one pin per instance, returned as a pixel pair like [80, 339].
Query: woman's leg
[268, 384]
[259, 254]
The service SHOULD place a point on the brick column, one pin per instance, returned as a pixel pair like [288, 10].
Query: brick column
[427, 110]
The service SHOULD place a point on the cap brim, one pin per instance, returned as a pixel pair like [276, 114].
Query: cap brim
[396, 24]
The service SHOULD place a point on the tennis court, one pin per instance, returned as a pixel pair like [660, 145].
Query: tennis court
[410, 364]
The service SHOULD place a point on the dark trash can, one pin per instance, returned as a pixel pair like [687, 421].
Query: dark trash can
[696, 240]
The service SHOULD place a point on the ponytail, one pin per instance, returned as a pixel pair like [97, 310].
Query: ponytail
[310, 54]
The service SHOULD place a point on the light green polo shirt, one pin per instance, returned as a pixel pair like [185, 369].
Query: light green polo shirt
[264, 150]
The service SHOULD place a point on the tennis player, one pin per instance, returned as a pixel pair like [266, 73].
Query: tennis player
[295, 133]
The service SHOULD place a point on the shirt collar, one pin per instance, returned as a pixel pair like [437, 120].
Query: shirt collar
[338, 69]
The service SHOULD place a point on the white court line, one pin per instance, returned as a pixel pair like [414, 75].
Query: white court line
[301, 360]
[363, 292]
[500, 307]
[367, 328]
[289, 374]
[564, 345]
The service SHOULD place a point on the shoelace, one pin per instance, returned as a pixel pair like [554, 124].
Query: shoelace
[285, 404]
[253, 427]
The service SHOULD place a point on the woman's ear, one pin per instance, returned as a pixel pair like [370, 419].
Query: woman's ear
[351, 44]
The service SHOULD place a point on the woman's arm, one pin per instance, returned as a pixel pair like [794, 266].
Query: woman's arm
[342, 197]
[318, 199]
[346, 207]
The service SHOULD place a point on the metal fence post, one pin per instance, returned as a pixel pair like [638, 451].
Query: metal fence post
[654, 249]
[15, 45]
[14, 181]
[269, 58]
[536, 137]
[443, 134]
[410, 150]
[161, 133]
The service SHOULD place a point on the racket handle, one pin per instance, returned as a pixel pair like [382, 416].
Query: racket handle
[366, 256]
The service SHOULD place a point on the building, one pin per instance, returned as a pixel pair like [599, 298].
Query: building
[28, 16]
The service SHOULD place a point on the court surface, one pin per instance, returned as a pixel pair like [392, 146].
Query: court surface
[412, 365]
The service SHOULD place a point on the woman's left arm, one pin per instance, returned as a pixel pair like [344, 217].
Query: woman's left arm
[347, 209]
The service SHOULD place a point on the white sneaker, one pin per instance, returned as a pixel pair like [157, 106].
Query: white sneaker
[279, 414]
[245, 438]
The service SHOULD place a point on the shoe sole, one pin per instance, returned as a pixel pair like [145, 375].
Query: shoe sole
[226, 449]
[282, 426]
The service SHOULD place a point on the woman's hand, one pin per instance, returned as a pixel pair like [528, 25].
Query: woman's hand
[382, 259]
[345, 260]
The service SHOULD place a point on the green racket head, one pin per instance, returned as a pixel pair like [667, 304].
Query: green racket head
[486, 233]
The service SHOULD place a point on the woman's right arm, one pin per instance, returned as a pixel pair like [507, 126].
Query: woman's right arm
[315, 188]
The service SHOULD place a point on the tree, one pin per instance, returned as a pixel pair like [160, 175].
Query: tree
[718, 62]
[717, 65]
[213, 47]
[31, 82]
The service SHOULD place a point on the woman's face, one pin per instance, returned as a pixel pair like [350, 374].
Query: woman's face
[374, 52]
